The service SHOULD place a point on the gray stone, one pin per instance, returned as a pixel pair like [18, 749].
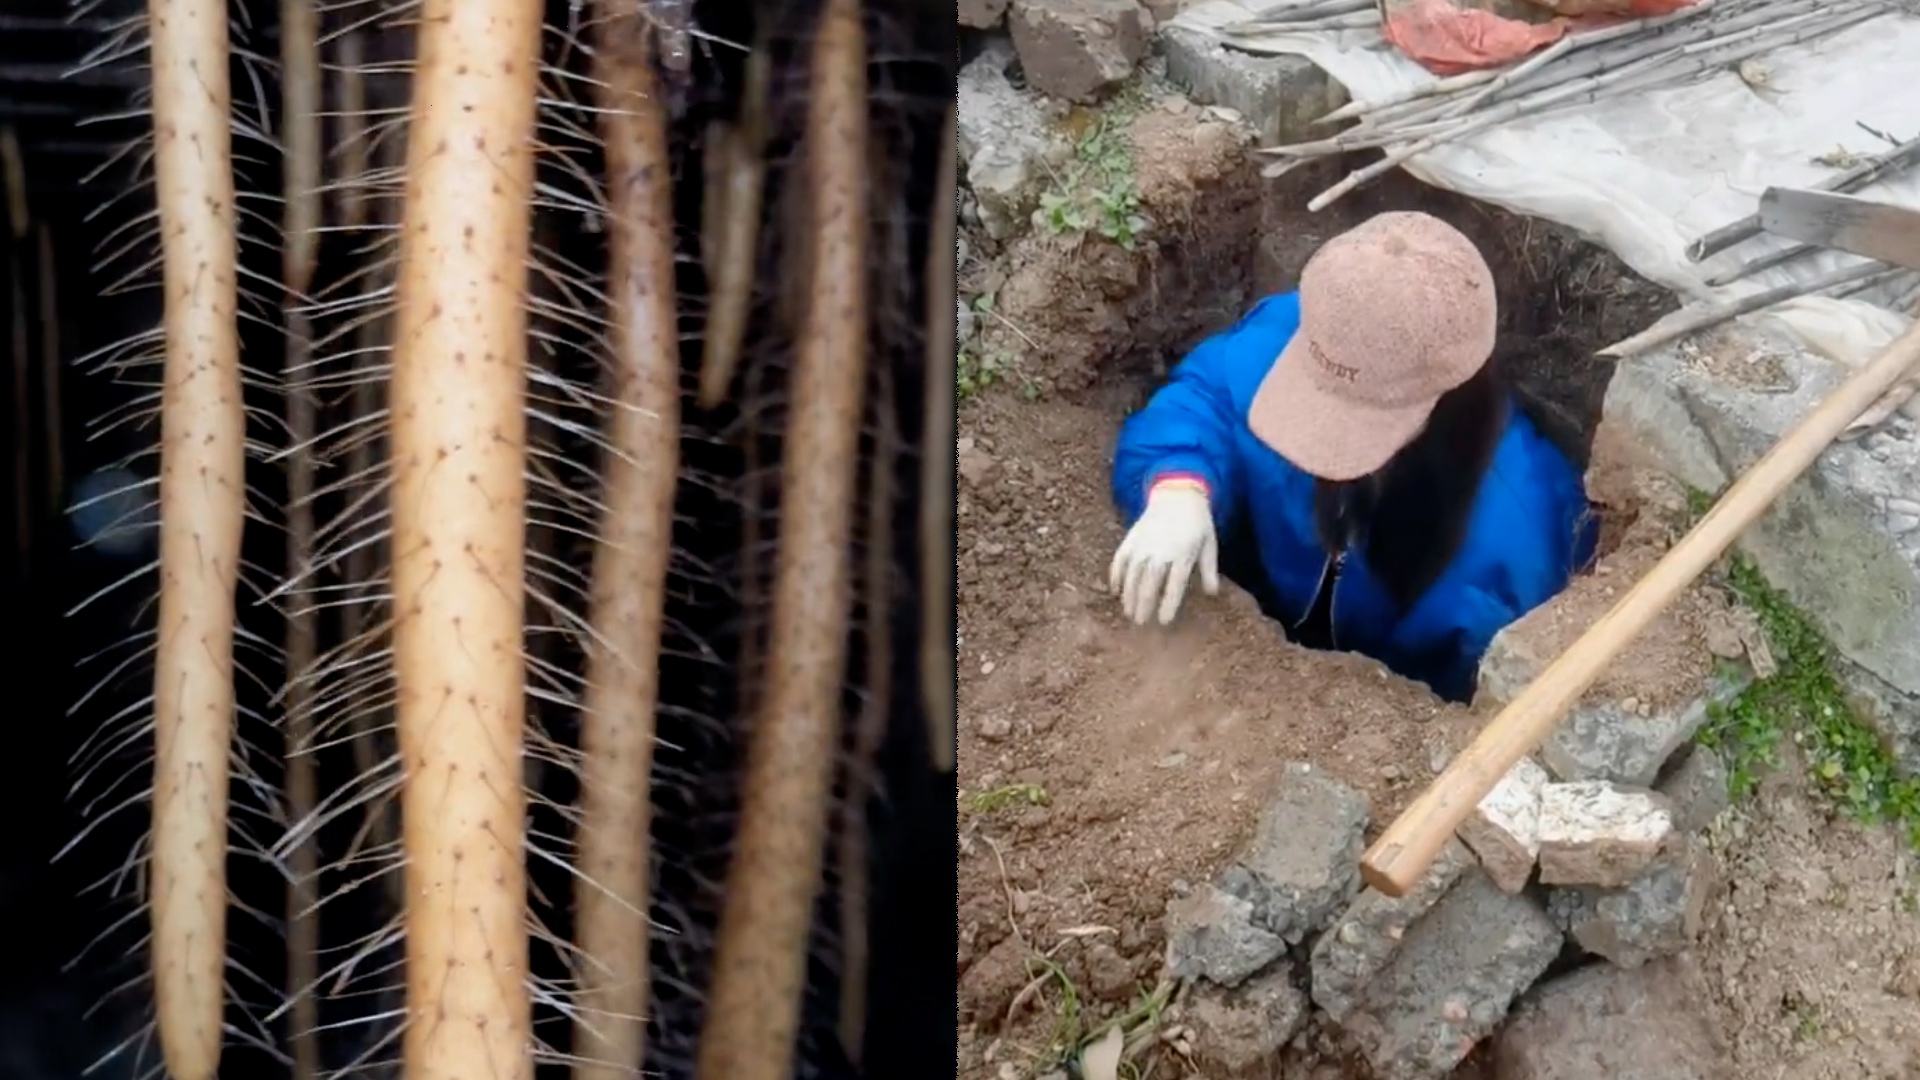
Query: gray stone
[1607, 1023]
[1366, 937]
[1007, 145]
[982, 14]
[1826, 543]
[962, 322]
[1452, 980]
[1304, 862]
[1696, 786]
[1604, 739]
[1279, 96]
[1240, 1032]
[1210, 934]
[1657, 914]
[1078, 49]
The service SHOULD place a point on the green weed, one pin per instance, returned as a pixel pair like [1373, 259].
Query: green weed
[1804, 701]
[993, 799]
[1097, 193]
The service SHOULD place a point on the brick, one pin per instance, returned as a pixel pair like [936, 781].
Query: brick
[1599, 833]
[1504, 830]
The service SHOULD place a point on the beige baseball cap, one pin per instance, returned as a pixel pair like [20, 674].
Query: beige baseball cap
[1393, 314]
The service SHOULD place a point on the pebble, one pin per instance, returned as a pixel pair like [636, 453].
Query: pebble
[993, 728]
[1902, 523]
[986, 668]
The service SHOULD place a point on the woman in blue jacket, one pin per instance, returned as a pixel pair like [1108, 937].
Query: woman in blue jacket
[1348, 455]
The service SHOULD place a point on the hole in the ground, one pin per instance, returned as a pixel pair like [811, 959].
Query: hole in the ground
[1561, 299]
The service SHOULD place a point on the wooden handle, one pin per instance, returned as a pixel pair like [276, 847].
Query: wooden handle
[1403, 854]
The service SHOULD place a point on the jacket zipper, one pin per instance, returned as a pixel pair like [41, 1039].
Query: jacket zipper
[1329, 579]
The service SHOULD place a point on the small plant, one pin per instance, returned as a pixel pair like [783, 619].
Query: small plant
[993, 799]
[1803, 700]
[1097, 193]
[977, 369]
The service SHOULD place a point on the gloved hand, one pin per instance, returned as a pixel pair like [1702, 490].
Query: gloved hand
[1154, 563]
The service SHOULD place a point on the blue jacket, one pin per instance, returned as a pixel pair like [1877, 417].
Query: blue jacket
[1530, 529]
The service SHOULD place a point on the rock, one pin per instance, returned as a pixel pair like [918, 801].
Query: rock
[1606, 1023]
[1696, 786]
[1280, 97]
[1240, 1032]
[1826, 543]
[1211, 934]
[975, 467]
[1626, 741]
[1504, 830]
[1657, 914]
[1363, 941]
[982, 14]
[1007, 145]
[1304, 862]
[1109, 975]
[1597, 833]
[962, 322]
[1076, 49]
[1451, 980]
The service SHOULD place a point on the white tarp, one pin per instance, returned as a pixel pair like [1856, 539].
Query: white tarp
[1645, 173]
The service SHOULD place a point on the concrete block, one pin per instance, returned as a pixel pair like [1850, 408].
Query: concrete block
[1840, 543]
[1279, 96]
[1597, 833]
[1504, 830]
[1657, 914]
[1304, 862]
[1611, 733]
[1210, 934]
[1696, 785]
[1452, 980]
[1366, 937]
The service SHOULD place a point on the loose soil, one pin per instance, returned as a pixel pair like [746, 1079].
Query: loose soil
[1106, 768]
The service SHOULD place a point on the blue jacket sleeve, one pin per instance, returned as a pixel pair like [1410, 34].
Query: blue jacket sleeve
[1191, 424]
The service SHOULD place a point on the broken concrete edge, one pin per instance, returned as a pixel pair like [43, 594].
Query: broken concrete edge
[1837, 555]
[1504, 829]
[1657, 914]
[1280, 97]
[1418, 980]
[1600, 834]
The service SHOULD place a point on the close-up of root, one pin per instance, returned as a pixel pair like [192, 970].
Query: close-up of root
[202, 500]
[505, 560]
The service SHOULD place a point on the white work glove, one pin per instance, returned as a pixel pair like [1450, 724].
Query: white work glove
[1154, 563]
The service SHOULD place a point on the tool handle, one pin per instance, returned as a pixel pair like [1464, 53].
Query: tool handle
[1406, 850]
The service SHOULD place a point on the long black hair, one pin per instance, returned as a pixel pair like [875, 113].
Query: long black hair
[1409, 517]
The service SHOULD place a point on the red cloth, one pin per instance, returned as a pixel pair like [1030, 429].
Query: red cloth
[1448, 39]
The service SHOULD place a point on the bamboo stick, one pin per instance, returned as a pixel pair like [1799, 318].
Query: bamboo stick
[1714, 314]
[1406, 850]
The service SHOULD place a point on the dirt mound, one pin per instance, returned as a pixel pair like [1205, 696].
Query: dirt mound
[1106, 766]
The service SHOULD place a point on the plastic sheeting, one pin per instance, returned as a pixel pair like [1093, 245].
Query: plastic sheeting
[1646, 173]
